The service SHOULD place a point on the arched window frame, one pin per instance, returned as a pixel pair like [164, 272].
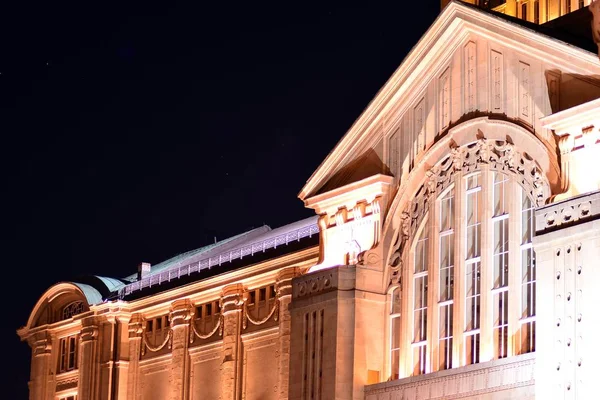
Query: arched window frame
[72, 309]
[517, 325]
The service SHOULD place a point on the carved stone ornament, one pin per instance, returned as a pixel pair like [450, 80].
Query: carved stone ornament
[595, 10]
[501, 156]
[400, 241]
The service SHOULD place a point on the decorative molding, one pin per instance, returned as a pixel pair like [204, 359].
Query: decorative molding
[568, 212]
[194, 332]
[501, 156]
[146, 345]
[445, 97]
[524, 98]
[460, 383]
[244, 250]
[67, 383]
[497, 81]
[470, 78]
[255, 344]
[246, 316]
[315, 283]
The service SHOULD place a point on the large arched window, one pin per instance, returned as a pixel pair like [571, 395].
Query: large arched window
[470, 279]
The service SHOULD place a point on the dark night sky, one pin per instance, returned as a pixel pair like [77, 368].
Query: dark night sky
[135, 132]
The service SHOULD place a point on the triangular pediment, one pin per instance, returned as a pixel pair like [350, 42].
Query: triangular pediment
[459, 50]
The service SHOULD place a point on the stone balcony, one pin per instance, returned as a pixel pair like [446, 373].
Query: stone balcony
[570, 212]
[509, 378]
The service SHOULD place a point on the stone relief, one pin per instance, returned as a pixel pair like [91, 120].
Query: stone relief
[501, 156]
[314, 284]
[570, 212]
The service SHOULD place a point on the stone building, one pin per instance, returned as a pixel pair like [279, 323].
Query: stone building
[451, 256]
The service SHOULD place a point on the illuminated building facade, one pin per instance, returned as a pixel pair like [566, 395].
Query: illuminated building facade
[536, 11]
[452, 256]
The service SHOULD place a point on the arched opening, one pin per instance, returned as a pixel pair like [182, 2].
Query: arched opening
[468, 279]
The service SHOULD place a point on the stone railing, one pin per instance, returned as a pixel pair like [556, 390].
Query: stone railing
[509, 378]
[568, 212]
[226, 257]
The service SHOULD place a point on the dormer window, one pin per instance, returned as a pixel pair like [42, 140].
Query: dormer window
[72, 309]
[67, 357]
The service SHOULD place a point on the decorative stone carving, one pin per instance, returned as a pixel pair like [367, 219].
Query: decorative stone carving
[247, 316]
[500, 156]
[67, 383]
[400, 241]
[567, 212]
[496, 379]
[314, 284]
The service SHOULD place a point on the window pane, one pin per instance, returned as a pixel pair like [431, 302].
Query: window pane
[395, 333]
[500, 259]
[473, 241]
[500, 186]
[419, 357]
[472, 348]
[501, 324]
[420, 313]
[395, 364]
[473, 219]
[396, 299]
[421, 251]
[528, 337]
[445, 335]
[447, 211]
[472, 304]
[528, 284]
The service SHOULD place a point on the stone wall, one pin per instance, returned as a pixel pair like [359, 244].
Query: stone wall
[509, 378]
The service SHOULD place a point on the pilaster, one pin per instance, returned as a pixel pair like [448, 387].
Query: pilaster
[135, 329]
[121, 362]
[41, 349]
[181, 312]
[88, 361]
[284, 294]
[233, 300]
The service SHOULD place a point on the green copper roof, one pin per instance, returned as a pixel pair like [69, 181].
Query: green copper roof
[111, 284]
[91, 295]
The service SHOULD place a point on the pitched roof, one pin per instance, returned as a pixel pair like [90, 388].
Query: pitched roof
[562, 45]
[573, 28]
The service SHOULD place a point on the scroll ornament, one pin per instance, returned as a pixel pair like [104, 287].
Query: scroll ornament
[248, 317]
[497, 155]
[147, 345]
[218, 327]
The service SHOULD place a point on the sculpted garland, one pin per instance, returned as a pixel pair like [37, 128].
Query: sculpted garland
[246, 316]
[500, 156]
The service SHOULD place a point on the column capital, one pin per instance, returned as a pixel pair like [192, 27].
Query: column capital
[89, 329]
[283, 284]
[181, 312]
[232, 298]
[40, 343]
[136, 326]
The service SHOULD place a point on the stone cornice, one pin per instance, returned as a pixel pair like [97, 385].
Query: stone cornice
[567, 213]
[366, 189]
[493, 376]
[572, 120]
[211, 287]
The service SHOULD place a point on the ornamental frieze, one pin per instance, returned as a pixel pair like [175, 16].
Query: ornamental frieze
[313, 284]
[495, 155]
